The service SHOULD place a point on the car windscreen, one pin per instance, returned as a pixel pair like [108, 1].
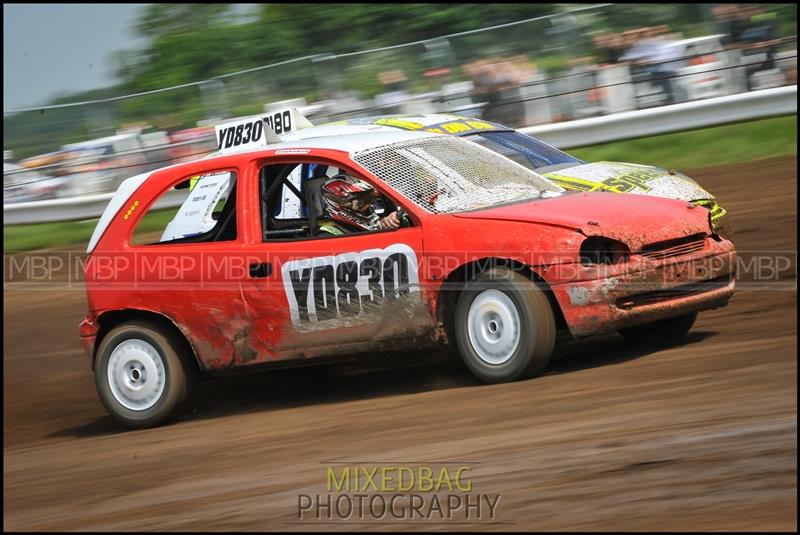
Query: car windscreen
[523, 149]
[446, 174]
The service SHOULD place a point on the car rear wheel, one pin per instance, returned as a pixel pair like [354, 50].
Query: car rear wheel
[504, 326]
[660, 332]
[141, 375]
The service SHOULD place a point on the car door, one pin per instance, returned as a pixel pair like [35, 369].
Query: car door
[314, 295]
[187, 261]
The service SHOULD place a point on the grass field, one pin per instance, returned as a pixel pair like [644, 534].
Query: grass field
[720, 145]
[18, 238]
[753, 140]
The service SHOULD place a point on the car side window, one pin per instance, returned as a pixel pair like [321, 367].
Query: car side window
[199, 208]
[289, 205]
[281, 202]
[290, 201]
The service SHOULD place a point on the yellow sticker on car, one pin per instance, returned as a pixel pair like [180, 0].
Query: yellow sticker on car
[460, 127]
[399, 123]
[572, 183]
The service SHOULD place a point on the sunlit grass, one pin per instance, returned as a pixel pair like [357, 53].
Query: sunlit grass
[754, 140]
[45, 235]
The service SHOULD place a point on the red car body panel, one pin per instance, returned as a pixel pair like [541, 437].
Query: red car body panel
[601, 213]
[231, 319]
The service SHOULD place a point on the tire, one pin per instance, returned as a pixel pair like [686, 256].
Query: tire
[505, 329]
[153, 375]
[660, 332]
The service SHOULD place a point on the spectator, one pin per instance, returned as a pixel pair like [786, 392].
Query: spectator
[731, 22]
[629, 40]
[653, 55]
[497, 83]
[653, 45]
[609, 48]
[760, 42]
[396, 93]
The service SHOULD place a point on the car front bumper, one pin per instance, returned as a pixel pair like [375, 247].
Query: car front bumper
[649, 291]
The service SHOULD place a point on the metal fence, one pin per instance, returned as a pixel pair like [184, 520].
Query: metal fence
[697, 114]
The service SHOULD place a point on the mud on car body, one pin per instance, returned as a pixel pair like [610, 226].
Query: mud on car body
[492, 258]
[560, 167]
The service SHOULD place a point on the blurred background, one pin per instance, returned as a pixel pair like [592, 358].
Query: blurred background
[696, 435]
[516, 64]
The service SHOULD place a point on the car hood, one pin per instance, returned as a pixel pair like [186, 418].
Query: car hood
[633, 220]
[619, 177]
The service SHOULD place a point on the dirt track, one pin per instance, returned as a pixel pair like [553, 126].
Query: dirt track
[698, 436]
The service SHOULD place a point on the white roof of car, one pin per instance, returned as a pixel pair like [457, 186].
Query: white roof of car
[336, 130]
[348, 138]
[355, 126]
[428, 119]
[353, 135]
[423, 119]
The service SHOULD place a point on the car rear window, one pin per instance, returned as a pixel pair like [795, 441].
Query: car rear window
[196, 211]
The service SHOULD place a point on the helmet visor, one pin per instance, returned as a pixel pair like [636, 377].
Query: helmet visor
[361, 203]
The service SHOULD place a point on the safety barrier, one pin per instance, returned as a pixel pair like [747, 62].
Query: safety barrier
[665, 119]
[72, 208]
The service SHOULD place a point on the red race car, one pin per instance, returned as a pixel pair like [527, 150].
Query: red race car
[454, 244]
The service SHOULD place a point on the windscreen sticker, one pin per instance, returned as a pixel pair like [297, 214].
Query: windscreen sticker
[328, 292]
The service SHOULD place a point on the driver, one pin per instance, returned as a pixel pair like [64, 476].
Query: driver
[348, 207]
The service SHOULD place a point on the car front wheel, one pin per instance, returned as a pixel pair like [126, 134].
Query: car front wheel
[504, 326]
[140, 374]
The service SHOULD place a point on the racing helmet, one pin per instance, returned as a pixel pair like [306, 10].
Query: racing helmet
[348, 200]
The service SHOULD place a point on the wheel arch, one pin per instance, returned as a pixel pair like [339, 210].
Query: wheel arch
[454, 282]
[111, 318]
